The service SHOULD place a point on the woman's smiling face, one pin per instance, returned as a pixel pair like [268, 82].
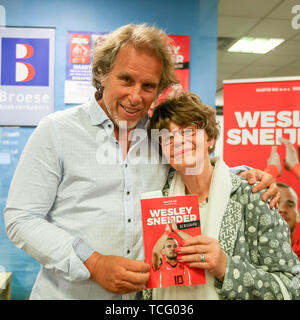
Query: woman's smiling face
[185, 147]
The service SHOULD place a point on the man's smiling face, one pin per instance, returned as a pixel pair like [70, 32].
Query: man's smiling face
[131, 86]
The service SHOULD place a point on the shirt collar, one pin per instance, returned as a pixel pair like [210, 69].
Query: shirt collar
[97, 114]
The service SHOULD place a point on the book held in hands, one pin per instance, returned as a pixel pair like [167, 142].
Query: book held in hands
[167, 221]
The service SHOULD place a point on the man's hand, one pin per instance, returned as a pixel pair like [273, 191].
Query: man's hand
[118, 274]
[266, 181]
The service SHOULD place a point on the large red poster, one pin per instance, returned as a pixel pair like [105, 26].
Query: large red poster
[256, 113]
[181, 56]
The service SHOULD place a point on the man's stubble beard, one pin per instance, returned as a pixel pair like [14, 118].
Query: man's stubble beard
[124, 124]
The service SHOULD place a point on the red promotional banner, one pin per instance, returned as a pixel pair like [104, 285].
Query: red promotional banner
[256, 114]
[181, 56]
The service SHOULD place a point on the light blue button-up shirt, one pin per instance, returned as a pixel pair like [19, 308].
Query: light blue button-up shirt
[73, 182]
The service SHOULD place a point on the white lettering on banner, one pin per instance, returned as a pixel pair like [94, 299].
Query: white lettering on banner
[170, 211]
[82, 66]
[178, 58]
[234, 136]
[36, 107]
[177, 219]
[267, 119]
[27, 98]
[83, 41]
[264, 127]
[164, 216]
[242, 122]
[176, 49]
[261, 136]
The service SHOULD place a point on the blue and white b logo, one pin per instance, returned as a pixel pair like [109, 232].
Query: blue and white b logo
[25, 62]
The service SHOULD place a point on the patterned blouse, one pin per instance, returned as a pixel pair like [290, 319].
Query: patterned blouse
[260, 261]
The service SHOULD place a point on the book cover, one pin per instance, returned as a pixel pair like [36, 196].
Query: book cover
[80, 48]
[167, 221]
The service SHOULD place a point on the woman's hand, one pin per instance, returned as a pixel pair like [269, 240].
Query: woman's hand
[195, 248]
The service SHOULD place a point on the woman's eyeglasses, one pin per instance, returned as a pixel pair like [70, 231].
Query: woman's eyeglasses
[167, 138]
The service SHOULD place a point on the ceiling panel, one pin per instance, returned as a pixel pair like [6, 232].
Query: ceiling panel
[284, 10]
[273, 28]
[286, 72]
[245, 8]
[297, 37]
[222, 76]
[229, 68]
[272, 59]
[296, 64]
[263, 18]
[235, 26]
[237, 58]
[290, 48]
[257, 71]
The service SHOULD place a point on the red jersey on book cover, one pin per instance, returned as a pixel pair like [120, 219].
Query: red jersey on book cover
[167, 221]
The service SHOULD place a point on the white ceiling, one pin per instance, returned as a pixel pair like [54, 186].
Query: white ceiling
[257, 18]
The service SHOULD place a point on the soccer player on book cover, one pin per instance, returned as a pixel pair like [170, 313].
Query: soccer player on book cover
[171, 271]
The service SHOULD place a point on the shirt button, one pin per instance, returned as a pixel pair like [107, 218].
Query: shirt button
[109, 125]
[128, 193]
[125, 165]
[129, 220]
[128, 251]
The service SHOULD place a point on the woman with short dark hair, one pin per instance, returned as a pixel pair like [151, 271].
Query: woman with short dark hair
[244, 247]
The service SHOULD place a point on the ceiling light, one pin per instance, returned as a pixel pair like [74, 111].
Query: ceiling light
[255, 45]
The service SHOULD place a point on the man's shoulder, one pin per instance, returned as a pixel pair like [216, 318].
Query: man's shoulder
[68, 118]
[67, 113]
